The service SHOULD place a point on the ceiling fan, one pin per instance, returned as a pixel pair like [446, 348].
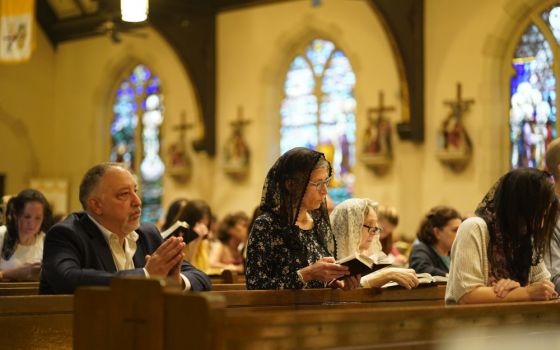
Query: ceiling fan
[113, 29]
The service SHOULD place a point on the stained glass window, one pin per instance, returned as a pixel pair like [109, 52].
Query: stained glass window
[318, 110]
[137, 118]
[533, 93]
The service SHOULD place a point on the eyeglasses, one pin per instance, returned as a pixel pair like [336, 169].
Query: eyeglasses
[319, 184]
[372, 230]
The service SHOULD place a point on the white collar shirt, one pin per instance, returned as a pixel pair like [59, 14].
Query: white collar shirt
[122, 254]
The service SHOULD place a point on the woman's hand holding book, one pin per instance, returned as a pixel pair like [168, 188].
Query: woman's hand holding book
[324, 270]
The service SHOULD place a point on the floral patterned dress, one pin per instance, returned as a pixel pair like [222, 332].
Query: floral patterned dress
[275, 254]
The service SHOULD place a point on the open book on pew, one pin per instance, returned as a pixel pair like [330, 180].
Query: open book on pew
[424, 278]
[180, 229]
[363, 264]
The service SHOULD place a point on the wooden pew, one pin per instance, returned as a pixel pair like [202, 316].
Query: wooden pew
[229, 286]
[19, 288]
[383, 328]
[113, 318]
[332, 298]
[227, 276]
[36, 322]
[19, 284]
[19, 291]
[126, 299]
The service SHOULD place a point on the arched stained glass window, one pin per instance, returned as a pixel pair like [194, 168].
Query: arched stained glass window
[318, 110]
[533, 109]
[137, 118]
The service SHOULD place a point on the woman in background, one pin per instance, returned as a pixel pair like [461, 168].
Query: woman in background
[498, 256]
[436, 234]
[28, 217]
[175, 212]
[197, 214]
[389, 220]
[232, 236]
[356, 229]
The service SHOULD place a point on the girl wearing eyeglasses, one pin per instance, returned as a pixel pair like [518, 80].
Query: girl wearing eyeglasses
[291, 245]
[356, 229]
[435, 236]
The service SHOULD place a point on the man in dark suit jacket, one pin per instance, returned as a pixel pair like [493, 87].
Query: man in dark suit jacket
[107, 240]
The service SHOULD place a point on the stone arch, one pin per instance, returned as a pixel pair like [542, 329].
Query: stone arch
[19, 130]
[274, 74]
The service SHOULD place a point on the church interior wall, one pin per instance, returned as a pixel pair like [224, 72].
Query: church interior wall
[26, 112]
[84, 96]
[455, 36]
[71, 88]
[255, 48]
[455, 40]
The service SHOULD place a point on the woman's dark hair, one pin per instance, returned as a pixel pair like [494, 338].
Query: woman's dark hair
[391, 215]
[175, 212]
[437, 217]
[256, 213]
[14, 210]
[526, 209]
[195, 210]
[283, 191]
[227, 223]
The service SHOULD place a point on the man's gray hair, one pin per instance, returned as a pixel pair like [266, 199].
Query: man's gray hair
[552, 158]
[92, 177]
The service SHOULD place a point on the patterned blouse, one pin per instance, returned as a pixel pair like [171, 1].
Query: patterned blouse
[273, 257]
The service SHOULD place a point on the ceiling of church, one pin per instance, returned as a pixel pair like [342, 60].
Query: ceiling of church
[64, 20]
[64, 9]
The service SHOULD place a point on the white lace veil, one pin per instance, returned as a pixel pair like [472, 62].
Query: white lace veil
[347, 220]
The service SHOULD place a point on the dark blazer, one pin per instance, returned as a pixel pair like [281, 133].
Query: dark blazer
[76, 254]
[424, 258]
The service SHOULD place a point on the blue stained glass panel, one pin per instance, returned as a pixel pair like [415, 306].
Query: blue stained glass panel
[339, 77]
[291, 137]
[552, 18]
[318, 53]
[300, 78]
[318, 110]
[532, 100]
[138, 104]
[300, 110]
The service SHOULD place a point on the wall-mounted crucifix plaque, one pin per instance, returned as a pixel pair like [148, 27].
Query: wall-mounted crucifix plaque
[454, 147]
[179, 164]
[237, 155]
[377, 149]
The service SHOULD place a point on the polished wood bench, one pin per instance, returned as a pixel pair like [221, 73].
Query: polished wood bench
[36, 322]
[112, 318]
[19, 288]
[332, 298]
[227, 276]
[228, 286]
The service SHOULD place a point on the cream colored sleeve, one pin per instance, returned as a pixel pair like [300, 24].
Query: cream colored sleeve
[468, 260]
[539, 273]
[3, 230]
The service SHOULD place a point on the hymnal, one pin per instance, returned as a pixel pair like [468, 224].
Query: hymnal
[180, 229]
[363, 264]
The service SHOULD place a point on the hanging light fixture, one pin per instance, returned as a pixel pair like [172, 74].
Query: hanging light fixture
[134, 10]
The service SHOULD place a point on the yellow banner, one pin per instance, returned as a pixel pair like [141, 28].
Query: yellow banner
[17, 32]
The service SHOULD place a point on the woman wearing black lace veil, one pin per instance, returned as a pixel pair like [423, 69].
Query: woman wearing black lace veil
[498, 256]
[291, 245]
